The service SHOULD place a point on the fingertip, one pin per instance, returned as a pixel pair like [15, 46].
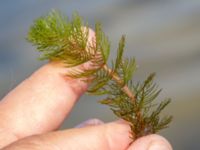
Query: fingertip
[118, 135]
[151, 142]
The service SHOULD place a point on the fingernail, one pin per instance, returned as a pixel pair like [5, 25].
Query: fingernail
[156, 146]
[90, 122]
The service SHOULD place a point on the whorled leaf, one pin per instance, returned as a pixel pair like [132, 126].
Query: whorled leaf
[61, 39]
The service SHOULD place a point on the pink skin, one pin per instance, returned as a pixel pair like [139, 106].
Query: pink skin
[31, 113]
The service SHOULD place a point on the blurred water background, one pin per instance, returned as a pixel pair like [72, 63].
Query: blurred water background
[164, 37]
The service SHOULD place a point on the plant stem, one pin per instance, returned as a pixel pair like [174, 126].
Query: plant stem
[115, 76]
[126, 90]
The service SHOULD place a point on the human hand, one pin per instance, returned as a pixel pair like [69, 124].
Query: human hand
[32, 112]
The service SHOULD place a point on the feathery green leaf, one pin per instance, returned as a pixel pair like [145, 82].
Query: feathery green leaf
[102, 42]
[58, 38]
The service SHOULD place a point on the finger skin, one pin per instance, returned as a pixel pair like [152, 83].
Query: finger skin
[151, 142]
[111, 136]
[40, 103]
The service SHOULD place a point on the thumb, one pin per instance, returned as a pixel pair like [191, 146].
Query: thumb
[151, 142]
[111, 136]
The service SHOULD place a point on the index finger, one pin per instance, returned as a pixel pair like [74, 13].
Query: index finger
[40, 103]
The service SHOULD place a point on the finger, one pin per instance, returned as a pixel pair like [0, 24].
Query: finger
[90, 122]
[41, 102]
[151, 142]
[111, 136]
